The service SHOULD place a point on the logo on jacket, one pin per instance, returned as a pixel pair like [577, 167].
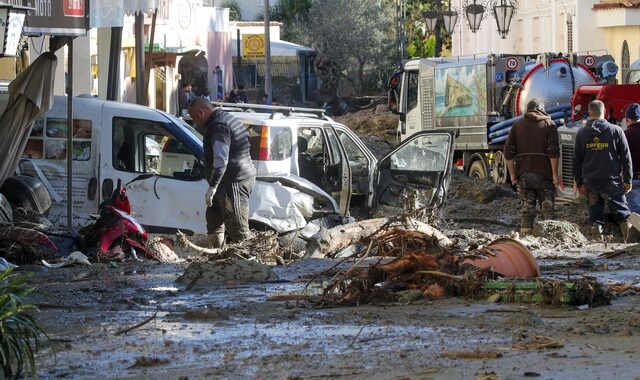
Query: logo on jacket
[596, 144]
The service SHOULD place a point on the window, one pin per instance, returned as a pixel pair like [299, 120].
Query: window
[48, 139]
[312, 154]
[143, 146]
[425, 153]
[279, 142]
[412, 90]
[625, 60]
[354, 152]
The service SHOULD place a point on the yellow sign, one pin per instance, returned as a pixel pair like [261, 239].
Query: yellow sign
[253, 46]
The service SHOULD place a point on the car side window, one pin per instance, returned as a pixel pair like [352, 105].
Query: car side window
[143, 146]
[354, 152]
[279, 139]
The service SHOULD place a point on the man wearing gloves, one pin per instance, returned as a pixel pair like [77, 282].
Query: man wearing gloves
[602, 169]
[229, 171]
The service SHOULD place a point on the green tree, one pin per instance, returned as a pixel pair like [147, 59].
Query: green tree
[292, 14]
[359, 36]
[235, 14]
[419, 42]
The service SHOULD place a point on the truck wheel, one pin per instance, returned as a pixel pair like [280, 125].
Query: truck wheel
[499, 170]
[477, 170]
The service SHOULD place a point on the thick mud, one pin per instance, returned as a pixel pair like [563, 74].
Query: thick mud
[232, 330]
[218, 322]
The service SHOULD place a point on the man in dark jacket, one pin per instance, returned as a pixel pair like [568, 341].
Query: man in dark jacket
[532, 152]
[632, 116]
[602, 169]
[229, 171]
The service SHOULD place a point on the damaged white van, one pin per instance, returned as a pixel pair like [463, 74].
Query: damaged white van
[310, 168]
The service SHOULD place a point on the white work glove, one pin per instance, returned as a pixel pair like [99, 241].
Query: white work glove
[208, 197]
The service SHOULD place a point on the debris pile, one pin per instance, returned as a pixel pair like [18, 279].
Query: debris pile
[428, 265]
[261, 247]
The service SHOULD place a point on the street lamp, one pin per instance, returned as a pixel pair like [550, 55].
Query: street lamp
[503, 11]
[449, 18]
[430, 20]
[475, 12]
[11, 22]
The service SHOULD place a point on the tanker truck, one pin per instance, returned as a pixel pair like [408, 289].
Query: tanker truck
[482, 96]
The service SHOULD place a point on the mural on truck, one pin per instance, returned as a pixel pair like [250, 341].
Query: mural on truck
[461, 91]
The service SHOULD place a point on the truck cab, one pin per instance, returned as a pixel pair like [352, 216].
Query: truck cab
[162, 158]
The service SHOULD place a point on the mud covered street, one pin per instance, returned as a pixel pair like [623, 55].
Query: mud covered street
[261, 330]
[233, 331]
[205, 318]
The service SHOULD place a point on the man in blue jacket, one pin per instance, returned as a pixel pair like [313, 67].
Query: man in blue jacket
[602, 169]
[229, 171]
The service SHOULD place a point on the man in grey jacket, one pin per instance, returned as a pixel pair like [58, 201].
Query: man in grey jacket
[229, 171]
[602, 169]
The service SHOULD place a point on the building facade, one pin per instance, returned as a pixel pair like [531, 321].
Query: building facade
[593, 26]
[619, 22]
[537, 26]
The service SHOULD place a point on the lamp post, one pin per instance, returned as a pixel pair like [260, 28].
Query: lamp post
[503, 11]
[11, 22]
[475, 12]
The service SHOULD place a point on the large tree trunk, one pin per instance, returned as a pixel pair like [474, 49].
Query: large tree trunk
[330, 241]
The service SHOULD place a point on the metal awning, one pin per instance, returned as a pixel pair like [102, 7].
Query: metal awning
[110, 13]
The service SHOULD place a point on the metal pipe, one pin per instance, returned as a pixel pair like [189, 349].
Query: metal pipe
[267, 50]
[139, 36]
[70, 134]
[113, 76]
[148, 67]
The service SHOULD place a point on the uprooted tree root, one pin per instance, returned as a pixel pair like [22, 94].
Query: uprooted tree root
[422, 265]
[262, 247]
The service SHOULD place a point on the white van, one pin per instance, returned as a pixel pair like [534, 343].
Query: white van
[164, 156]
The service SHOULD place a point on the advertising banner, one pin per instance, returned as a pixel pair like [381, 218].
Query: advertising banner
[55, 17]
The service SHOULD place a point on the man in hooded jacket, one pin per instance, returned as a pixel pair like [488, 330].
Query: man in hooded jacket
[532, 153]
[603, 170]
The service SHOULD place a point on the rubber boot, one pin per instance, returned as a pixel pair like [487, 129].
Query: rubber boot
[547, 210]
[215, 240]
[596, 231]
[625, 227]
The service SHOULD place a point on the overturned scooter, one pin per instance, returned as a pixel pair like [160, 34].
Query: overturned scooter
[116, 233]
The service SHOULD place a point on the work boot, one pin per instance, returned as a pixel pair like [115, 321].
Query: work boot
[596, 231]
[525, 231]
[215, 240]
[625, 227]
[547, 210]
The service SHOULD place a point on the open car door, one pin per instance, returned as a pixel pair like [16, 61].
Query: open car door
[421, 165]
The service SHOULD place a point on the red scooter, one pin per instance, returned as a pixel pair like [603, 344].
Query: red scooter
[116, 233]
